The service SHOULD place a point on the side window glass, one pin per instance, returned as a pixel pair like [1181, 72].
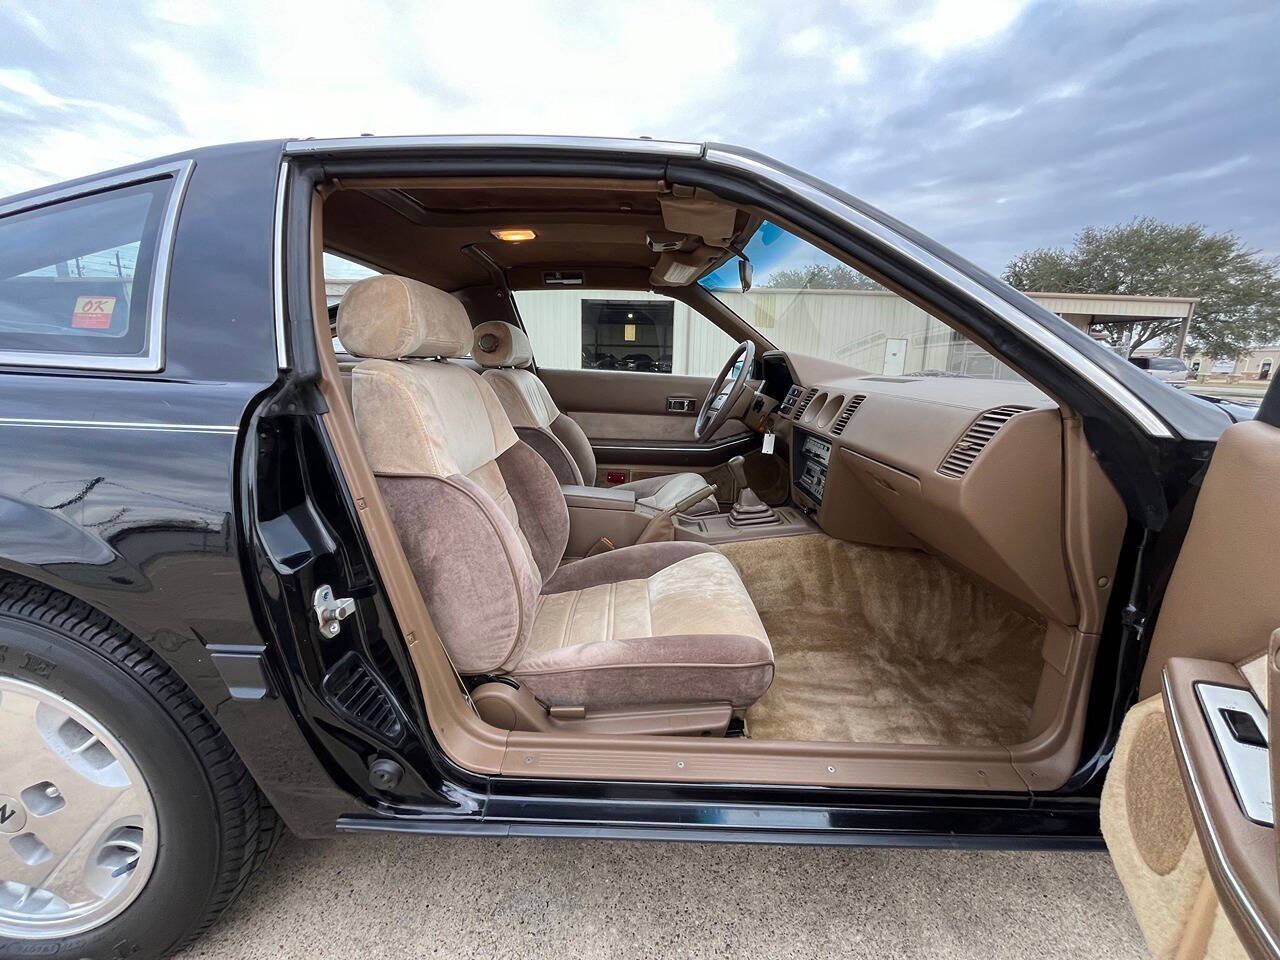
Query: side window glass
[77, 278]
[339, 274]
[630, 330]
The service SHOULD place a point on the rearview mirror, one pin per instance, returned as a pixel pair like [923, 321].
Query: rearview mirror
[744, 273]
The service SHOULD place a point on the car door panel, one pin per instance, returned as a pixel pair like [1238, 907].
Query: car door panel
[1222, 601]
[1201, 875]
[1240, 854]
[626, 417]
[1147, 824]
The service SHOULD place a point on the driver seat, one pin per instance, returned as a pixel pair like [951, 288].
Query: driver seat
[504, 351]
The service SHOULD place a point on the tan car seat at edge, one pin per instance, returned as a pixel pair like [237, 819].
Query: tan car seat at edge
[484, 525]
[504, 351]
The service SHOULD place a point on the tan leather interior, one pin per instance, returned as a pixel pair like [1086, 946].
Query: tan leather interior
[1231, 551]
[621, 405]
[1151, 836]
[419, 228]
[880, 645]
[1038, 574]
[504, 351]
[484, 525]
[1202, 877]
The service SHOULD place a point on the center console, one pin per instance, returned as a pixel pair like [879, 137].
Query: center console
[715, 528]
[596, 512]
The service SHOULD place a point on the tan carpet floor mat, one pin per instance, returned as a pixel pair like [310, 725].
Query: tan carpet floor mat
[876, 645]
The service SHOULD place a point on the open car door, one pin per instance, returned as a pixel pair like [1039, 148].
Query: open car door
[1187, 806]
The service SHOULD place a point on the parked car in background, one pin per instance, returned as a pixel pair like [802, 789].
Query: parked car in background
[1170, 370]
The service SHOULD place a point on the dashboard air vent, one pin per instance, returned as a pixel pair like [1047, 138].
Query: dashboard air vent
[975, 440]
[804, 403]
[846, 414]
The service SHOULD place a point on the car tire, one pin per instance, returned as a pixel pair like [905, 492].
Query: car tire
[208, 824]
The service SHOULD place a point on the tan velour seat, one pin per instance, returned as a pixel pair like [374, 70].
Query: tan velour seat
[484, 525]
[504, 351]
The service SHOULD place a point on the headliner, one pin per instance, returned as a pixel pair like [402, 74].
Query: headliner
[419, 228]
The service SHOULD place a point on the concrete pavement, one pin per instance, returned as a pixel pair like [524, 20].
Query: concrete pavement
[398, 897]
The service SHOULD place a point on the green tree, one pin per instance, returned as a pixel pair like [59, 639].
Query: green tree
[821, 276]
[1239, 289]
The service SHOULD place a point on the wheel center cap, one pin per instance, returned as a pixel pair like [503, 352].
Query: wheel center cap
[13, 817]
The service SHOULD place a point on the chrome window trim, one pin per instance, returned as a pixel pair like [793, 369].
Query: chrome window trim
[119, 425]
[277, 272]
[1215, 842]
[153, 360]
[926, 262]
[485, 141]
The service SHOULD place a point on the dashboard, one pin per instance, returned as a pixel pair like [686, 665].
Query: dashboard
[972, 469]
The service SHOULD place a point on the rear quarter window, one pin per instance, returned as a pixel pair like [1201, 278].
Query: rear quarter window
[78, 279]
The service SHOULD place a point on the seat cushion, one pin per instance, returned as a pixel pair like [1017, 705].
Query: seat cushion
[662, 623]
[664, 492]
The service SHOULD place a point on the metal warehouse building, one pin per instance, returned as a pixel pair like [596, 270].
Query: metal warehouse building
[874, 330]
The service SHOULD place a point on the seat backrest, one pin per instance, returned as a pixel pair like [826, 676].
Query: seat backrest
[479, 513]
[504, 351]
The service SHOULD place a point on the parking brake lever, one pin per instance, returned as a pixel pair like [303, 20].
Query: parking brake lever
[659, 527]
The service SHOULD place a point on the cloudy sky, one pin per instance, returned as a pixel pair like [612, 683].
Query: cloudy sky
[994, 125]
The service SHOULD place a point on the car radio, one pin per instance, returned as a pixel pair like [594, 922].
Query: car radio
[809, 465]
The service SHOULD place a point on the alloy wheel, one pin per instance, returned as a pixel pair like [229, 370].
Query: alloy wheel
[78, 828]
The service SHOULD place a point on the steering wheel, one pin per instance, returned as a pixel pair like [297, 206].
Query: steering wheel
[725, 392]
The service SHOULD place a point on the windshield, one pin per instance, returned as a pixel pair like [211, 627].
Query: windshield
[806, 301]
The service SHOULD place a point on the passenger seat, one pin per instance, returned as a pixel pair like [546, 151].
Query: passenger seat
[504, 351]
[484, 526]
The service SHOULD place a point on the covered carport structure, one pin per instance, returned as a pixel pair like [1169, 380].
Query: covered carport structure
[1089, 311]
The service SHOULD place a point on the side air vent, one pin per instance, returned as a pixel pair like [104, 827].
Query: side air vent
[354, 691]
[846, 414]
[975, 440]
[804, 403]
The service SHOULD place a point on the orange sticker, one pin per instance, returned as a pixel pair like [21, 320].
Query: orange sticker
[93, 313]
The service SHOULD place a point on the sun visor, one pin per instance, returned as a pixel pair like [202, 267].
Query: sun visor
[712, 220]
[680, 269]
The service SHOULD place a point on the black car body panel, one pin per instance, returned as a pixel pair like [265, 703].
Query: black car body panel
[120, 489]
[1233, 408]
[200, 505]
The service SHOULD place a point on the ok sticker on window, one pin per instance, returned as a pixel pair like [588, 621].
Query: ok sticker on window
[93, 313]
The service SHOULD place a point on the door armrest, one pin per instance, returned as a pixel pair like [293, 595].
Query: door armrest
[1240, 854]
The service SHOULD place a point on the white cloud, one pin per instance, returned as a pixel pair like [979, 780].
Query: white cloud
[23, 83]
[934, 109]
[804, 43]
[953, 24]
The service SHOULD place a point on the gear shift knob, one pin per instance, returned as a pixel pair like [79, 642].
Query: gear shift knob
[748, 510]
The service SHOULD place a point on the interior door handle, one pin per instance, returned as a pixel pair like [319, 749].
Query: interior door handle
[680, 404]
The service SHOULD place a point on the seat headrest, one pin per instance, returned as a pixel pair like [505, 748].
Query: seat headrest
[389, 317]
[498, 344]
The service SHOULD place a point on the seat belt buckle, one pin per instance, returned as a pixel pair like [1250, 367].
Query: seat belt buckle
[603, 545]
